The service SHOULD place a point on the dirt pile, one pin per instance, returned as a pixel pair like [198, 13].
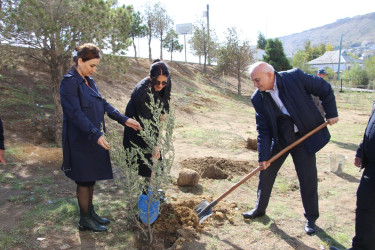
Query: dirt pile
[218, 168]
[178, 223]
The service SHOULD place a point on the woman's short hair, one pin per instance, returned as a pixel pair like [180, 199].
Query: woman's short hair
[159, 68]
[87, 52]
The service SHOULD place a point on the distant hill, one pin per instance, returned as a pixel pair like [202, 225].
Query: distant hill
[354, 30]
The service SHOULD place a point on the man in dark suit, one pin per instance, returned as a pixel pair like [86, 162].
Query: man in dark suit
[2, 148]
[285, 112]
[365, 212]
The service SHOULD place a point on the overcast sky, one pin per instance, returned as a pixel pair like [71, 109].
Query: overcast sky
[274, 18]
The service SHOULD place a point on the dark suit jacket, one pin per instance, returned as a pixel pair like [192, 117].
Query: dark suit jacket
[366, 149]
[295, 89]
[83, 118]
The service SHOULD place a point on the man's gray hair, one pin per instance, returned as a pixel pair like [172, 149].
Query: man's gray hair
[265, 67]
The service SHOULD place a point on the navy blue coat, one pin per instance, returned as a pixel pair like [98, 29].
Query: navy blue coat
[83, 117]
[295, 89]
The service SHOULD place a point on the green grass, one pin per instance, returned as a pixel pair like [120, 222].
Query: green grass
[15, 151]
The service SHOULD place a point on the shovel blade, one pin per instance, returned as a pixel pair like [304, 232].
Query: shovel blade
[148, 209]
[204, 210]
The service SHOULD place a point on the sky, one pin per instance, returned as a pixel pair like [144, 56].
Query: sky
[273, 18]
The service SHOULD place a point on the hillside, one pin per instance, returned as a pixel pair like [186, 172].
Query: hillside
[38, 207]
[354, 30]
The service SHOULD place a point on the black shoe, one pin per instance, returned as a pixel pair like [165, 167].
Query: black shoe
[252, 214]
[100, 220]
[310, 227]
[87, 222]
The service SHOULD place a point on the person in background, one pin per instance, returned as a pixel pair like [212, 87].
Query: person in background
[2, 147]
[158, 84]
[365, 211]
[285, 112]
[321, 73]
[85, 150]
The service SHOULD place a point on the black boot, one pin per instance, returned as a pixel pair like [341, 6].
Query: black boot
[87, 222]
[100, 220]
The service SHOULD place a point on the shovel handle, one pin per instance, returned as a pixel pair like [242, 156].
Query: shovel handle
[274, 158]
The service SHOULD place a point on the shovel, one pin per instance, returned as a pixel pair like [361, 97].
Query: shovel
[147, 205]
[204, 209]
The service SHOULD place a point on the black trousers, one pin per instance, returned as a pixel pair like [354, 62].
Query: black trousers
[305, 165]
[365, 212]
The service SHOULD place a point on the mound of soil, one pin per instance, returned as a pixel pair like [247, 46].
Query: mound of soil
[178, 223]
[218, 168]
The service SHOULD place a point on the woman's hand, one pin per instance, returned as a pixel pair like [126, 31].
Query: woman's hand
[133, 124]
[103, 143]
[156, 153]
[2, 156]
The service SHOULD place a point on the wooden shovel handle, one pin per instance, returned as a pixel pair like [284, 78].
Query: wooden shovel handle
[274, 158]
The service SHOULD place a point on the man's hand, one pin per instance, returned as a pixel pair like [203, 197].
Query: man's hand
[2, 152]
[103, 143]
[133, 124]
[264, 165]
[358, 162]
[332, 121]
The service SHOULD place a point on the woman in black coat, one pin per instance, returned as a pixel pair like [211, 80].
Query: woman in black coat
[85, 149]
[158, 83]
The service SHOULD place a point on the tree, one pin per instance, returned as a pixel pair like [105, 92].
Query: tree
[202, 44]
[234, 56]
[275, 55]
[308, 53]
[51, 29]
[162, 24]
[149, 17]
[370, 67]
[262, 42]
[121, 22]
[137, 29]
[171, 42]
[357, 76]
[299, 60]
[156, 133]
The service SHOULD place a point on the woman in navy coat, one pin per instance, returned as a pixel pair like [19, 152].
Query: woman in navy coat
[85, 149]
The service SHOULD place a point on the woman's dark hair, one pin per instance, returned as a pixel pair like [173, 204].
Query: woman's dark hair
[159, 68]
[87, 52]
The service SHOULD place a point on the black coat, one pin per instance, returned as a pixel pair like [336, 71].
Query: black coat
[83, 117]
[137, 109]
[295, 90]
[366, 149]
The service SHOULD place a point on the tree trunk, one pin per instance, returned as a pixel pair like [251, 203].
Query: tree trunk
[161, 46]
[149, 48]
[56, 74]
[239, 81]
[205, 58]
[135, 49]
